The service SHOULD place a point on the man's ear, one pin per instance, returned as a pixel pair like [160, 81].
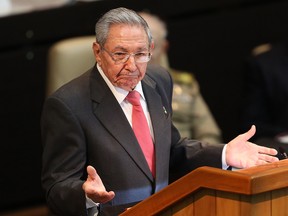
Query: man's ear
[152, 46]
[166, 46]
[96, 50]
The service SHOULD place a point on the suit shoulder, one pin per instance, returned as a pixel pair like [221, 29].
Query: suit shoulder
[158, 74]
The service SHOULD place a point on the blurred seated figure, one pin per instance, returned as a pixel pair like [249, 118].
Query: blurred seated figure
[267, 93]
[67, 59]
[191, 114]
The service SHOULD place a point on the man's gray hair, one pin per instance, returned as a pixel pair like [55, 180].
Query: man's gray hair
[119, 15]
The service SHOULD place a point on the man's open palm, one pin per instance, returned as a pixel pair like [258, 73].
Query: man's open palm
[241, 153]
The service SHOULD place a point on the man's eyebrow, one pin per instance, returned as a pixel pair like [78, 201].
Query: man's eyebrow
[120, 48]
[139, 49]
[143, 49]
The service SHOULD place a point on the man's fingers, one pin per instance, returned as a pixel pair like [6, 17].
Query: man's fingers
[266, 150]
[101, 196]
[110, 196]
[267, 158]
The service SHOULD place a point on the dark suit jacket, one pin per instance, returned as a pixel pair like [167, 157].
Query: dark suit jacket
[83, 124]
[266, 103]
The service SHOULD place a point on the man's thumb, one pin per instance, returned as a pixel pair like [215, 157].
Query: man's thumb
[91, 171]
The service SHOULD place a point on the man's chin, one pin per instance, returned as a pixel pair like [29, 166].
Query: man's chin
[128, 86]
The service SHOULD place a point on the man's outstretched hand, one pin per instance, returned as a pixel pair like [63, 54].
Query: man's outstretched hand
[240, 153]
[95, 189]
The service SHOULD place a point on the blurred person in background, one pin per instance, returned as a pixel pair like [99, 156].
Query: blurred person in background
[191, 114]
[266, 94]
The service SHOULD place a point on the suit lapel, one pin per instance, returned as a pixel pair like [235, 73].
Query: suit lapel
[109, 113]
[159, 120]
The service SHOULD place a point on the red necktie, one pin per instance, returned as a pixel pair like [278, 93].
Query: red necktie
[141, 129]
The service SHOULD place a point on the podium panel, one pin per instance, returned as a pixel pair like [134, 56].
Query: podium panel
[207, 191]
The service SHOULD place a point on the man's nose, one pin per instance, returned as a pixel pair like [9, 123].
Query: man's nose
[131, 63]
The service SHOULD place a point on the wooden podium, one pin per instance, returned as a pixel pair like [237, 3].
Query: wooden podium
[206, 191]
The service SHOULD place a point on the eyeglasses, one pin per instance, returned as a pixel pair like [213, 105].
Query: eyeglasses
[122, 57]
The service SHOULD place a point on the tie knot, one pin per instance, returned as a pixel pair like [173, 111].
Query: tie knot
[134, 98]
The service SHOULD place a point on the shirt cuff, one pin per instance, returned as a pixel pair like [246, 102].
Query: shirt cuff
[90, 203]
[224, 164]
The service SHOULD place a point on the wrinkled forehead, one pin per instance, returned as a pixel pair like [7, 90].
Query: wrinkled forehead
[127, 34]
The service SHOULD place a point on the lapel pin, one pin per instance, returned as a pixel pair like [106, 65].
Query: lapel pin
[165, 111]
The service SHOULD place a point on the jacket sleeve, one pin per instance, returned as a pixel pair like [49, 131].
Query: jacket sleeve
[63, 159]
[188, 155]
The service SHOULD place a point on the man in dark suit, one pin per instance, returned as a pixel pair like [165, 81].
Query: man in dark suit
[92, 162]
[267, 90]
[266, 94]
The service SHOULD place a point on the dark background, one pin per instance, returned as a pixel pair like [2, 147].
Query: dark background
[210, 38]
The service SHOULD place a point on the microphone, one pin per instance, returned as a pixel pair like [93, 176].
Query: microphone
[283, 152]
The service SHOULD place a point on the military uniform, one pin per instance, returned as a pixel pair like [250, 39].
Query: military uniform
[191, 114]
